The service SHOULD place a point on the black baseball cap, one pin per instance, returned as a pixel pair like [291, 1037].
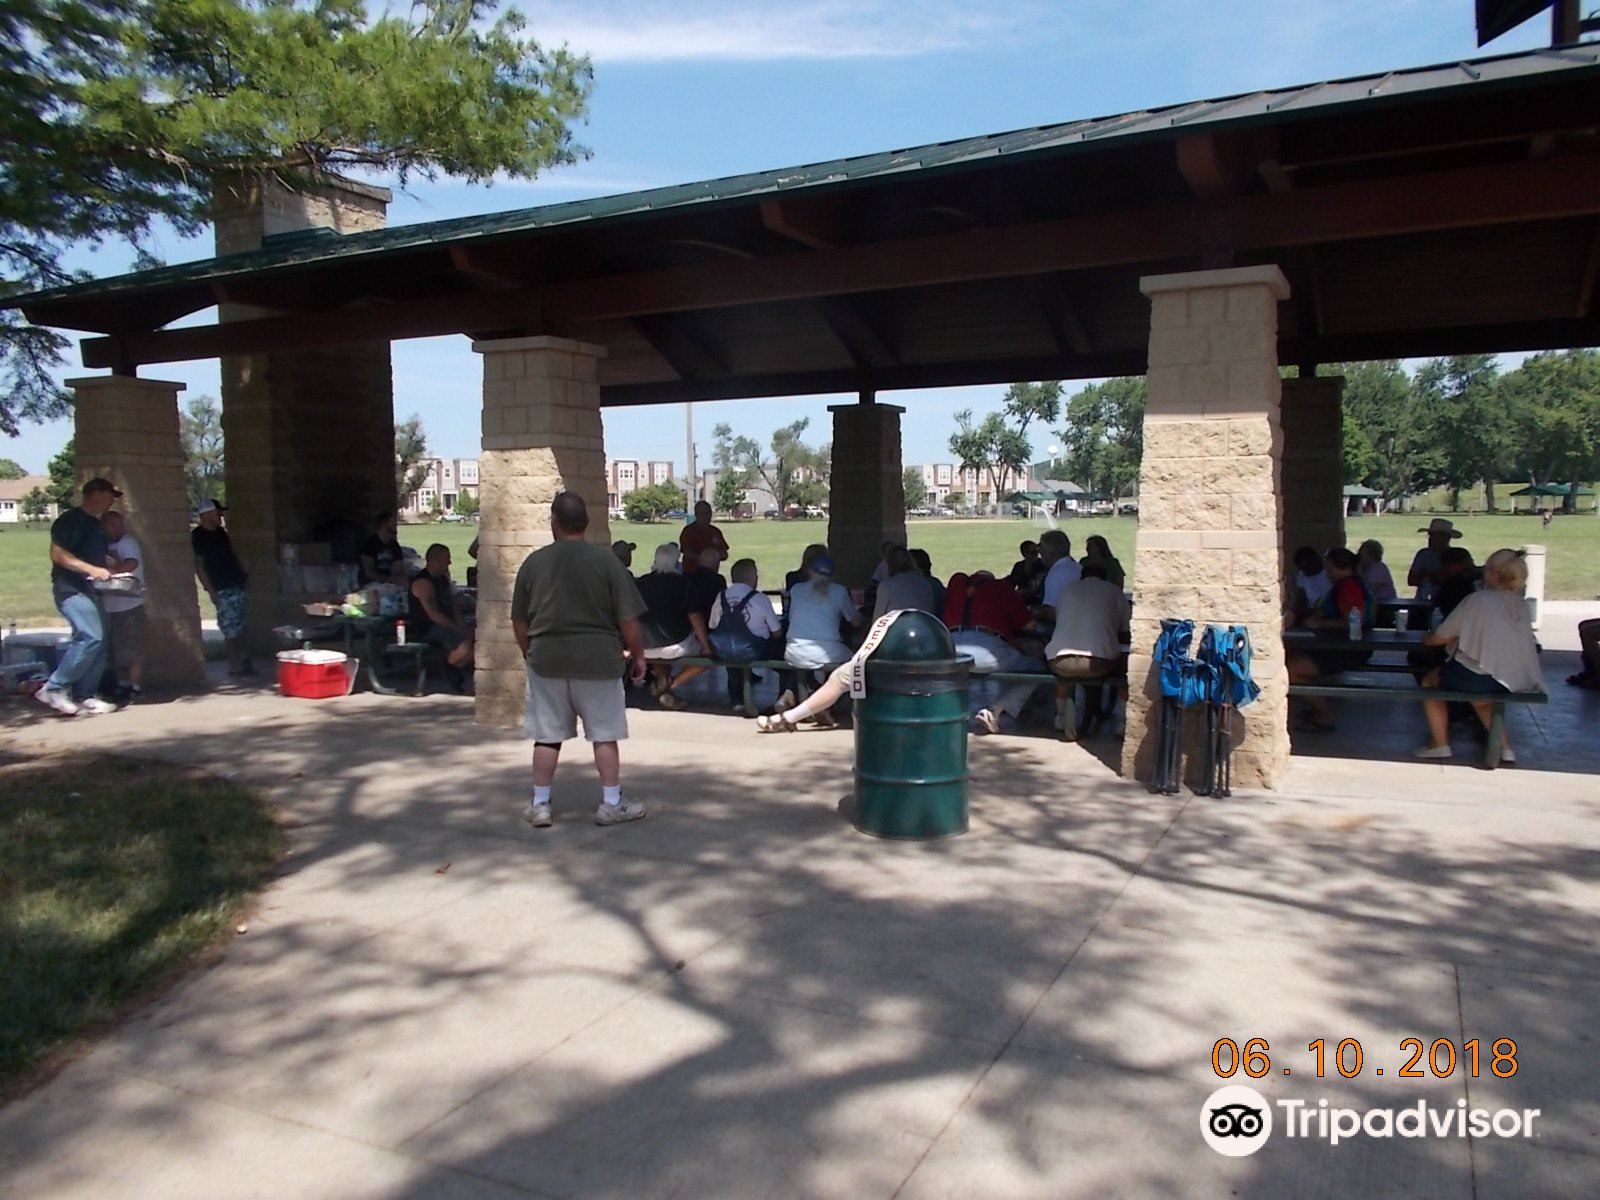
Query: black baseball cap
[98, 484]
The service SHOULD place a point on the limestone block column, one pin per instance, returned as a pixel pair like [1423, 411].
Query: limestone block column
[1210, 513]
[866, 494]
[541, 436]
[308, 434]
[1313, 463]
[126, 430]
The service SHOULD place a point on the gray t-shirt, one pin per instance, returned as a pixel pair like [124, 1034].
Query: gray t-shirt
[909, 589]
[573, 595]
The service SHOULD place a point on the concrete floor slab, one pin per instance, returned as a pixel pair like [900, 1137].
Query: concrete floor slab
[675, 1095]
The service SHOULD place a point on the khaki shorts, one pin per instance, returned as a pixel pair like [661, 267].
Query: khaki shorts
[1082, 666]
[127, 637]
[552, 708]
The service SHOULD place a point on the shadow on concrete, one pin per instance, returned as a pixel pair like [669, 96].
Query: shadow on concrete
[743, 996]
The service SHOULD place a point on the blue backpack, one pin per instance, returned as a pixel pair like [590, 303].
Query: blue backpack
[732, 638]
[1226, 651]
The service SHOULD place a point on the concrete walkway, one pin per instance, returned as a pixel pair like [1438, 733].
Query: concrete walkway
[742, 997]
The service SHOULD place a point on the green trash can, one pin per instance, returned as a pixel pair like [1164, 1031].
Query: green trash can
[911, 734]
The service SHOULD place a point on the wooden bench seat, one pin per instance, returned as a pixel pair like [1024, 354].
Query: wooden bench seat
[1362, 691]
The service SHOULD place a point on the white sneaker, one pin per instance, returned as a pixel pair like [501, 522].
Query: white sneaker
[57, 699]
[1508, 757]
[616, 814]
[537, 815]
[94, 706]
[1433, 752]
[986, 721]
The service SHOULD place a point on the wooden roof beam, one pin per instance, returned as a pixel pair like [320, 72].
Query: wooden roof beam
[1061, 314]
[862, 340]
[688, 356]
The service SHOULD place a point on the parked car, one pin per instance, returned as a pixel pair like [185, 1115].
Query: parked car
[919, 512]
[454, 518]
[814, 512]
[1129, 508]
[677, 514]
[771, 514]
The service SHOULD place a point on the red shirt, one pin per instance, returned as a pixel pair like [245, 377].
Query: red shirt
[696, 538]
[995, 606]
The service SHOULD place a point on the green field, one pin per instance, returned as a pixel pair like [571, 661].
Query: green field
[955, 545]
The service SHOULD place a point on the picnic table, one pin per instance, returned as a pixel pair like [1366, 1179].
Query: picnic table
[1389, 639]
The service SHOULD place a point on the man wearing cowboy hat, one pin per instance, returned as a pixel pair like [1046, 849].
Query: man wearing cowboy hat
[1427, 568]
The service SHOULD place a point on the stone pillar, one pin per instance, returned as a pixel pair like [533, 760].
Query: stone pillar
[308, 434]
[541, 436]
[866, 494]
[1210, 515]
[1313, 464]
[127, 431]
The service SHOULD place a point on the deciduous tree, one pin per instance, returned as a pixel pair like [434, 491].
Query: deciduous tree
[410, 457]
[200, 430]
[117, 114]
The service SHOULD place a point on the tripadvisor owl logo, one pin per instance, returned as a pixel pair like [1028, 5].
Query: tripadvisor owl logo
[1235, 1121]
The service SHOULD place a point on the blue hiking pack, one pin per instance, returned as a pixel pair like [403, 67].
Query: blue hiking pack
[1225, 649]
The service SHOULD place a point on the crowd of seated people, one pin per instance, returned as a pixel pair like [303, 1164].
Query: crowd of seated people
[1052, 617]
[1475, 631]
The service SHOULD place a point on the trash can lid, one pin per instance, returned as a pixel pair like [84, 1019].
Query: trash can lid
[915, 637]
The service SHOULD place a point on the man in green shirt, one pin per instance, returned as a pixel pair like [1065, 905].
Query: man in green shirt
[573, 610]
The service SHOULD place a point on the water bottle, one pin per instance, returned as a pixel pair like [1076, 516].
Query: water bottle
[1401, 619]
[1355, 624]
[400, 632]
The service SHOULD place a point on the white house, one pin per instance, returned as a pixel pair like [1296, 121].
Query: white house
[13, 490]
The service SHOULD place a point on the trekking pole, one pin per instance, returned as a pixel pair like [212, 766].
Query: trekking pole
[1158, 779]
[1225, 753]
[1170, 780]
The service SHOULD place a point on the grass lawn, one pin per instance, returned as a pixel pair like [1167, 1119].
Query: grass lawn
[117, 875]
[955, 545]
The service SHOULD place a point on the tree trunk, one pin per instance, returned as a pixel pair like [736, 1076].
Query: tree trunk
[1455, 498]
[1569, 502]
[1488, 495]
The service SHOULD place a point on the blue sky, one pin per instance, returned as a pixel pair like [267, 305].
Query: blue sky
[690, 89]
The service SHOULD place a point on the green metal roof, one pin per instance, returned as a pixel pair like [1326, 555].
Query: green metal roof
[1167, 122]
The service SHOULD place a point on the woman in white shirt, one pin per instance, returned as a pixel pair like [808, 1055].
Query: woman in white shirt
[1494, 650]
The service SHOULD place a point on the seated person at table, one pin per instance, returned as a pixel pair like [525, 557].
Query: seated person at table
[382, 559]
[1028, 573]
[706, 582]
[1311, 582]
[905, 586]
[1348, 591]
[672, 626]
[1097, 550]
[1055, 549]
[1091, 620]
[925, 565]
[1379, 580]
[796, 577]
[985, 616]
[1427, 568]
[431, 614]
[1589, 644]
[816, 608]
[1459, 578]
[1494, 651]
[743, 600]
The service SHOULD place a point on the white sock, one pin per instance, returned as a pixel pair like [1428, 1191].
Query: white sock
[800, 712]
[611, 795]
[541, 795]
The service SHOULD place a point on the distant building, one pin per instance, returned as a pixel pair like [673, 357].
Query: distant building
[442, 486]
[13, 490]
[624, 475]
[942, 479]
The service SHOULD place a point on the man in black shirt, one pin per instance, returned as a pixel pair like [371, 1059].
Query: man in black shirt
[223, 577]
[673, 625]
[80, 555]
[382, 559]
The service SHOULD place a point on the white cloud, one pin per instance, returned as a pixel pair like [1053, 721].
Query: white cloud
[735, 31]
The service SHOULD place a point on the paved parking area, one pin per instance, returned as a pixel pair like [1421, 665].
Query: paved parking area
[743, 997]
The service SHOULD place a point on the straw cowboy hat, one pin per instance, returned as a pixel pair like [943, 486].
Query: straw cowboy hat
[1440, 525]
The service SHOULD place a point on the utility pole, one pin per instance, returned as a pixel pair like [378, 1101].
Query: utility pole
[692, 486]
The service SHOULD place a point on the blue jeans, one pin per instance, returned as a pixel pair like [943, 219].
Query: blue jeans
[84, 659]
[990, 653]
